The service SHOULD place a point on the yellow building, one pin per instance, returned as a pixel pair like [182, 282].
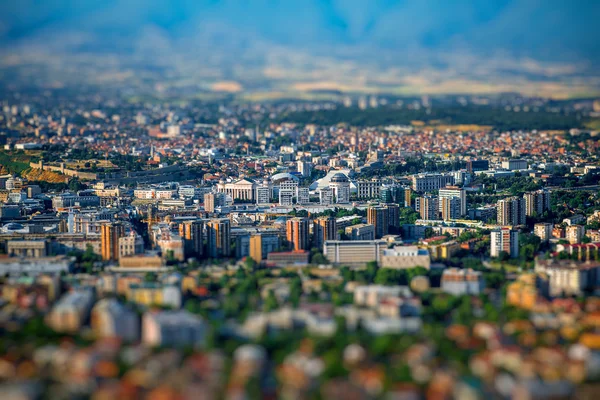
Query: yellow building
[523, 292]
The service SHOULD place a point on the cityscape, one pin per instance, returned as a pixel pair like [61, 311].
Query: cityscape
[226, 228]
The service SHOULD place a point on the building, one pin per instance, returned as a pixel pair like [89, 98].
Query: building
[286, 197]
[303, 195]
[109, 239]
[110, 319]
[454, 192]
[354, 252]
[360, 232]
[379, 218]
[130, 245]
[403, 257]
[324, 228]
[462, 281]
[543, 230]
[485, 213]
[71, 311]
[242, 189]
[213, 200]
[325, 196]
[264, 192]
[393, 218]
[192, 233]
[514, 164]
[173, 328]
[504, 240]
[298, 233]
[154, 294]
[568, 277]
[218, 238]
[282, 258]
[450, 208]
[478, 165]
[574, 233]
[428, 207]
[511, 211]
[305, 168]
[34, 248]
[33, 266]
[536, 202]
[340, 186]
[373, 295]
[431, 182]
[368, 189]
[261, 244]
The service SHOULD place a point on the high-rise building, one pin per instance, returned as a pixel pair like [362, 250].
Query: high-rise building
[428, 208]
[511, 211]
[109, 240]
[305, 168]
[324, 228]
[505, 240]
[213, 200]
[286, 197]
[393, 218]
[450, 208]
[303, 195]
[536, 202]
[218, 235]
[264, 192]
[407, 197]
[450, 192]
[574, 233]
[298, 233]
[379, 218]
[325, 196]
[261, 244]
[193, 237]
[543, 230]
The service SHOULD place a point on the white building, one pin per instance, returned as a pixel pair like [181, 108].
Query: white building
[303, 195]
[504, 240]
[462, 281]
[453, 192]
[431, 182]
[173, 328]
[110, 318]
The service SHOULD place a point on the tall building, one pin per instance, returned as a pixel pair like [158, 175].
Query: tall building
[109, 240]
[218, 238]
[393, 218]
[264, 192]
[286, 197]
[368, 189]
[452, 192]
[261, 244]
[450, 208]
[536, 202]
[192, 233]
[324, 228]
[511, 211]
[213, 200]
[303, 195]
[504, 240]
[543, 230]
[379, 218]
[574, 233]
[407, 197]
[305, 168]
[325, 196]
[428, 208]
[298, 234]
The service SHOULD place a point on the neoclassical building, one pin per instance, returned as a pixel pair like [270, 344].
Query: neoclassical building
[242, 189]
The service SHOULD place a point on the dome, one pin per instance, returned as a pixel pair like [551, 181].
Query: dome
[284, 176]
[339, 178]
[13, 226]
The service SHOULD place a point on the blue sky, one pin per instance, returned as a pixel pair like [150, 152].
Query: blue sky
[551, 29]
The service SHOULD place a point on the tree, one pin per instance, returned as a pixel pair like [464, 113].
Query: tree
[271, 302]
[250, 263]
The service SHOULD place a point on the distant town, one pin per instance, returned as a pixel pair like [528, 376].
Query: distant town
[360, 247]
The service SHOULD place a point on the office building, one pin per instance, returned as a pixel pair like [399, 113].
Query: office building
[218, 238]
[504, 240]
[325, 196]
[393, 218]
[264, 192]
[368, 189]
[305, 168]
[324, 228]
[109, 239]
[511, 211]
[431, 182]
[379, 218]
[298, 233]
[192, 233]
[286, 197]
[478, 165]
[303, 195]
[514, 164]
[403, 257]
[340, 186]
